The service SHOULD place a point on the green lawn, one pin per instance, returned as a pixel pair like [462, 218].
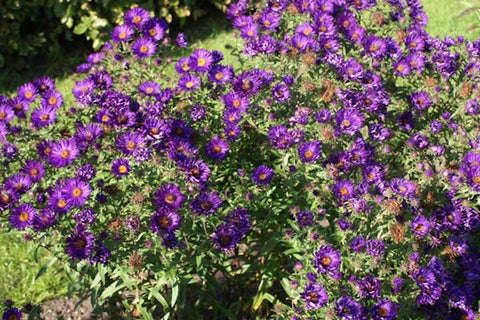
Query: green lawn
[18, 266]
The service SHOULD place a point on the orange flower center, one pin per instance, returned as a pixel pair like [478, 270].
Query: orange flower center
[343, 191]
[23, 216]
[143, 49]
[52, 100]
[77, 192]
[170, 198]
[122, 169]
[65, 154]
[201, 62]
[308, 155]
[131, 145]
[325, 261]
[346, 123]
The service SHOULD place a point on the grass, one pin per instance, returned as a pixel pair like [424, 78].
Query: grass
[443, 16]
[19, 268]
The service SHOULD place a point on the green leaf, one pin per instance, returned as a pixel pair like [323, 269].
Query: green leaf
[174, 295]
[44, 268]
[80, 28]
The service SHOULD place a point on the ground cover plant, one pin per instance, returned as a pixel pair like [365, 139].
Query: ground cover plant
[333, 174]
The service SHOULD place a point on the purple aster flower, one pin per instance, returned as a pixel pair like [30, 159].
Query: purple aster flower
[168, 196]
[96, 58]
[12, 314]
[7, 113]
[102, 80]
[347, 308]
[20, 107]
[196, 170]
[304, 218]
[221, 74]
[189, 82]
[472, 107]
[375, 247]
[99, 254]
[421, 100]
[385, 309]
[420, 226]
[22, 216]
[403, 187]
[458, 245]
[165, 221]
[357, 244]
[369, 287]
[197, 112]
[225, 237]
[86, 172]
[63, 153]
[401, 68]
[315, 296]
[170, 240]
[86, 135]
[378, 132]
[83, 68]
[82, 91]
[280, 92]
[200, 60]
[234, 101]
[182, 40]
[136, 17]
[352, 70]
[122, 33]
[86, 216]
[52, 98]
[374, 46]
[76, 192]
[182, 65]
[206, 203]
[262, 175]
[397, 285]
[8, 198]
[28, 92]
[216, 148]
[280, 137]
[343, 189]
[144, 48]
[20, 183]
[128, 142]
[406, 121]
[349, 121]
[34, 170]
[43, 116]
[120, 167]
[310, 151]
[155, 28]
[44, 84]
[149, 88]
[327, 259]
[79, 243]
[323, 116]
[240, 220]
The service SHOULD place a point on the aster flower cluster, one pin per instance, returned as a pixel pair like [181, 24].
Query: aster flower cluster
[349, 147]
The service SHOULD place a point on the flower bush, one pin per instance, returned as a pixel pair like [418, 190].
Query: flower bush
[334, 175]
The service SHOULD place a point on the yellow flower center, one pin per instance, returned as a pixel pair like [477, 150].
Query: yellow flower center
[149, 90]
[28, 94]
[201, 62]
[131, 145]
[3, 115]
[170, 198]
[189, 84]
[343, 191]
[262, 176]
[152, 32]
[122, 169]
[65, 154]
[382, 312]
[325, 261]
[44, 117]
[308, 155]
[217, 149]
[34, 172]
[61, 203]
[23, 216]
[219, 76]
[346, 123]
[137, 19]
[77, 192]
[476, 179]
[105, 118]
[143, 49]
[52, 100]
[122, 35]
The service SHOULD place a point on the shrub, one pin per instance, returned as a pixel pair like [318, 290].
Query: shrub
[28, 28]
[335, 175]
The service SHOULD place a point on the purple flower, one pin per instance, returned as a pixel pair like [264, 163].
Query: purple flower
[357, 244]
[305, 218]
[189, 82]
[280, 137]
[120, 167]
[225, 237]
[310, 151]
[280, 92]
[79, 243]
[52, 98]
[76, 192]
[182, 40]
[155, 28]
[375, 247]
[327, 259]
[136, 17]
[343, 189]
[122, 33]
[200, 60]
[323, 116]
[206, 203]
[144, 48]
[165, 221]
[168, 196]
[262, 175]
[220, 74]
[349, 121]
[27, 92]
[196, 171]
[240, 220]
[234, 101]
[149, 88]
[347, 308]
[63, 153]
[401, 68]
[43, 116]
[403, 187]
[22, 216]
[33, 169]
[369, 287]
[7, 113]
[315, 296]
[385, 309]
[420, 226]
[397, 285]
[216, 148]
[421, 100]
[12, 314]
[129, 142]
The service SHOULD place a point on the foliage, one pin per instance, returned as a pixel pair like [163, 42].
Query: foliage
[27, 28]
[337, 178]
[473, 8]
